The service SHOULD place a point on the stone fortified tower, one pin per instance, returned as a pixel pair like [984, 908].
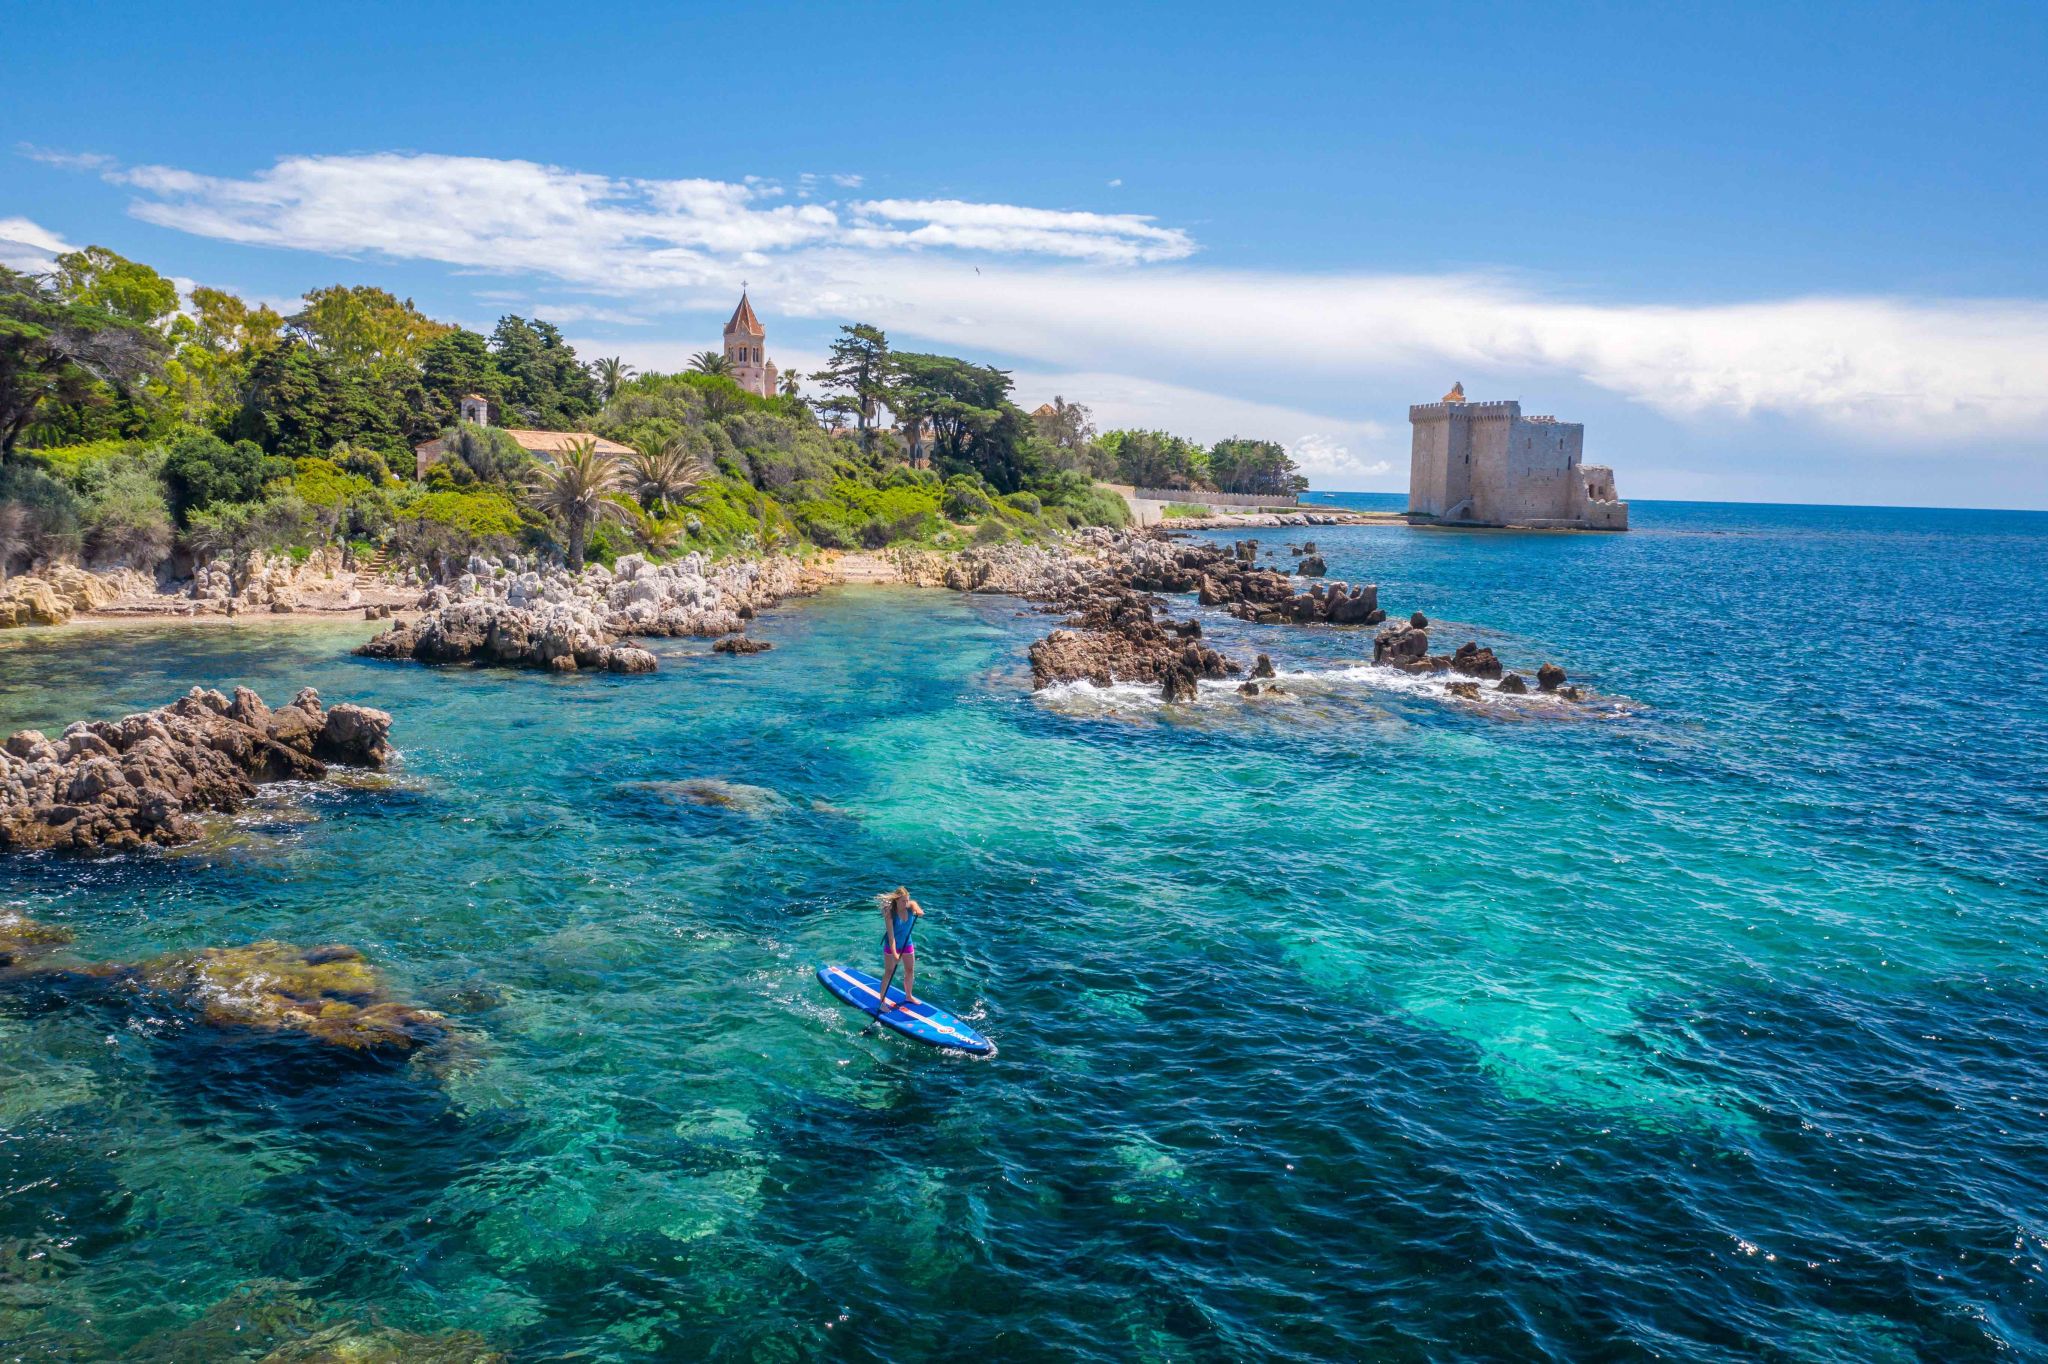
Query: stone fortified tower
[1485, 464]
[751, 368]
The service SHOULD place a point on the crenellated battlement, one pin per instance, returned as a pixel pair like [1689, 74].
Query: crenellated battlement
[1499, 407]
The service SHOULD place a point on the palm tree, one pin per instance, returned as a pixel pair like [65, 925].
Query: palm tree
[576, 490]
[792, 382]
[611, 373]
[662, 475]
[710, 362]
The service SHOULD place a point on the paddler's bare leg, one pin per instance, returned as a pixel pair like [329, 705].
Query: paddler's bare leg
[882, 1004]
[909, 966]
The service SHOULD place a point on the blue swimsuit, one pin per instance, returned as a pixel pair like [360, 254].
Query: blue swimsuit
[900, 927]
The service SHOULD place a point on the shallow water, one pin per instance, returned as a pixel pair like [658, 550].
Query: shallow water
[1704, 1021]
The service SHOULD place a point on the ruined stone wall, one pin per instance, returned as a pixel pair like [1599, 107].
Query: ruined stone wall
[1538, 473]
[1598, 504]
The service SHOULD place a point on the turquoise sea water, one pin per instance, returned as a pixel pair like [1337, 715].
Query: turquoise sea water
[1707, 1022]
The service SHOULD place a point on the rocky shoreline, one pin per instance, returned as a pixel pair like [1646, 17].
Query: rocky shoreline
[1119, 628]
[509, 615]
[108, 785]
[321, 583]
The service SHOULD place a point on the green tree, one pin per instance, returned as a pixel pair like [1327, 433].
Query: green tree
[214, 345]
[861, 371]
[710, 362]
[576, 490]
[61, 352]
[611, 373]
[1066, 427]
[1237, 465]
[489, 452]
[103, 279]
[364, 330]
[127, 520]
[1156, 459]
[973, 426]
[296, 405]
[792, 384]
[545, 383]
[202, 471]
[48, 513]
[454, 366]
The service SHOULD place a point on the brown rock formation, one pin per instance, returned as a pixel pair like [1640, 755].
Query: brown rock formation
[141, 779]
[740, 644]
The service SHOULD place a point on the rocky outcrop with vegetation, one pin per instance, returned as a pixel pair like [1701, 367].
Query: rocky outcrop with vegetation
[143, 779]
[521, 617]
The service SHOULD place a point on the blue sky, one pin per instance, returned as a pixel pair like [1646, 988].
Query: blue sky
[1765, 253]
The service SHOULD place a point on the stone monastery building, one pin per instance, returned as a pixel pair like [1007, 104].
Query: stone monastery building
[1485, 464]
[751, 368]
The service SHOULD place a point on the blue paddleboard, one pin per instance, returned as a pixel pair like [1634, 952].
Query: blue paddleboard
[920, 1022]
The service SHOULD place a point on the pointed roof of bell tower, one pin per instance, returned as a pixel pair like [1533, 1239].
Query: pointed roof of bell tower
[743, 319]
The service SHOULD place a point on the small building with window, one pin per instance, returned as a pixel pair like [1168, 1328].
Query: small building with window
[542, 445]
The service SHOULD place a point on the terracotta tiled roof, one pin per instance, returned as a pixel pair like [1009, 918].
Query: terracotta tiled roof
[743, 319]
[545, 444]
[555, 442]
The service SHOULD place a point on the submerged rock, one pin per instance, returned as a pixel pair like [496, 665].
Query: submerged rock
[758, 802]
[331, 994]
[740, 644]
[140, 780]
[24, 940]
[354, 1343]
[328, 993]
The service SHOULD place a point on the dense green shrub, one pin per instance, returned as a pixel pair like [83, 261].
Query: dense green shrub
[48, 523]
[201, 470]
[967, 499]
[127, 519]
[479, 514]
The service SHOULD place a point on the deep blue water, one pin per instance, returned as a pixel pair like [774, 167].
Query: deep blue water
[1705, 1021]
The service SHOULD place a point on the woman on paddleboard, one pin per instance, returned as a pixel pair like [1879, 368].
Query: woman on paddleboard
[900, 914]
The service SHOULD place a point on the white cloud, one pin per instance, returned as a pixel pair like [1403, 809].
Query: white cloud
[589, 229]
[29, 246]
[1113, 238]
[847, 181]
[559, 313]
[1117, 183]
[50, 156]
[1878, 370]
[1101, 293]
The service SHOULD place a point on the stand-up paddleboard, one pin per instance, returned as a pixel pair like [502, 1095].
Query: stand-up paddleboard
[921, 1022]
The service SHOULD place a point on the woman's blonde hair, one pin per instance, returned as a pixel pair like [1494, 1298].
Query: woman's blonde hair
[898, 898]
